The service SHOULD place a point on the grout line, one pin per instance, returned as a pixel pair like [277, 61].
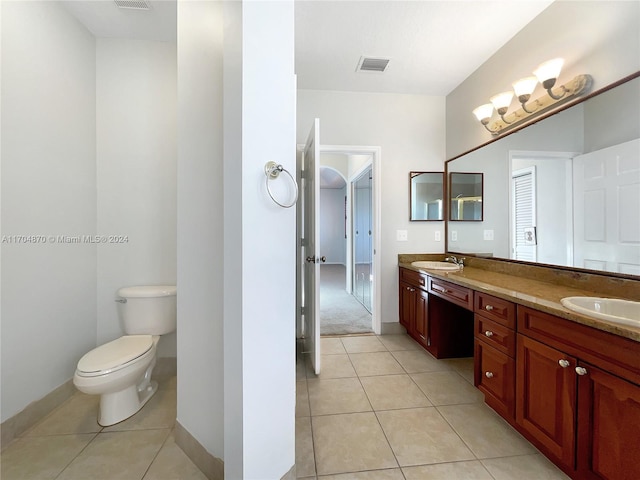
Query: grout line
[77, 455]
[157, 453]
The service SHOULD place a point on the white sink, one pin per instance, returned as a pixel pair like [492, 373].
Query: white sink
[613, 310]
[436, 265]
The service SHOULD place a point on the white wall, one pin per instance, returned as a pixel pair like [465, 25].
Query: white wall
[200, 221]
[48, 188]
[236, 248]
[601, 38]
[268, 242]
[410, 132]
[333, 243]
[136, 172]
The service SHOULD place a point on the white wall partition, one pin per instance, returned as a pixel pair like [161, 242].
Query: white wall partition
[200, 224]
[48, 189]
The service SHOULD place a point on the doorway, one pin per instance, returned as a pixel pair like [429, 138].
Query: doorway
[345, 301]
[351, 162]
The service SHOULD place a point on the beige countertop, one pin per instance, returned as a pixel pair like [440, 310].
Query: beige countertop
[532, 293]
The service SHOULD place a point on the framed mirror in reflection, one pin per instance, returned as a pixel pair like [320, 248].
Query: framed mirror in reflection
[426, 194]
[465, 197]
[564, 191]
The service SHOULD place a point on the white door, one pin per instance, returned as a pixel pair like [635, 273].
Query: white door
[311, 245]
[606, 186]
[523, 223]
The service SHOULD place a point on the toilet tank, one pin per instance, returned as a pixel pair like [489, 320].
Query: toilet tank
[148, 309]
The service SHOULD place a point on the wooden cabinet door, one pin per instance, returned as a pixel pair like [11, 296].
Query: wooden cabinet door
[546, 393]
[421, 326]
[494, 376]
[407, 295]
[608, 426]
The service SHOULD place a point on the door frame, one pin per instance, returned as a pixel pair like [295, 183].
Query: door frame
[375, 162]
[546, 155]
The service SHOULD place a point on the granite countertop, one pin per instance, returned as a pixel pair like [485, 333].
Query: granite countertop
[536, 294]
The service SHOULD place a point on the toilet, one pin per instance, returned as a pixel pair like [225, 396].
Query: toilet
[120, 371]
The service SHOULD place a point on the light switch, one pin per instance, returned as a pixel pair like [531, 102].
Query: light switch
[437, 236]
[401, 235]
[488, 234]
[454, 235]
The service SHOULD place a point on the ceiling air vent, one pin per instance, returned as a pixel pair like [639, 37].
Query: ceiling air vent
[371, 64]
[133, 4]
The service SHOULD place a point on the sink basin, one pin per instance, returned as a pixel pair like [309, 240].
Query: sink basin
[436, 265]
[613, 310]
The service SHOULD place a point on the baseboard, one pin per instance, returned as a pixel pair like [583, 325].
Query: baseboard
[392, 328]
[211, 466]
[34, 412]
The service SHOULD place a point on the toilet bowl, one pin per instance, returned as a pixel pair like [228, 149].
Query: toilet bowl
[120, 371]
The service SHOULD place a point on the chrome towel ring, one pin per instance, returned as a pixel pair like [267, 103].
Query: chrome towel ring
[272, 170]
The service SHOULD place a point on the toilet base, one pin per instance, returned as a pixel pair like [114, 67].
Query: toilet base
[118, 406]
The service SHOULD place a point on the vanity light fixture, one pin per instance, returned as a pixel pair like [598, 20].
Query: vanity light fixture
[546, 74]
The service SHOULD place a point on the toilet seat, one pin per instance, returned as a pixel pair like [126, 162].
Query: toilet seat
[114, 355]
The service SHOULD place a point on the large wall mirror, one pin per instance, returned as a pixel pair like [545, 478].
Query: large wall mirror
[563, 191]
[426, 194]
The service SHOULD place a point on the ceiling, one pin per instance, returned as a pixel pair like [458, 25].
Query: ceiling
[330, 178]
[432, 45]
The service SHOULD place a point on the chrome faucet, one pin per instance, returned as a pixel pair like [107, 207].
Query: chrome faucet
[457, 261]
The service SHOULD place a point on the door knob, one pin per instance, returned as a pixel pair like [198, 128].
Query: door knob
[323, 259]
[311, 259]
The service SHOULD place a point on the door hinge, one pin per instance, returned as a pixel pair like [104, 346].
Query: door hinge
[303, 242]
[302, 310]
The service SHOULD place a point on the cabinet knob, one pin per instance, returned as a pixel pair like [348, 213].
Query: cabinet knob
[581, 370]
[488, 374]
[488, 307]
[412, 289]
[488, 333]
[563, 363]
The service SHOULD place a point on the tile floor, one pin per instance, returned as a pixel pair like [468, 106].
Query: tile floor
[384, 409]
[69, 444]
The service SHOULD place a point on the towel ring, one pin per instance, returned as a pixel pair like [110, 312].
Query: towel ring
[272, 170]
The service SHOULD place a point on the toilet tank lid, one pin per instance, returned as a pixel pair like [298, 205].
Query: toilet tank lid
[143, 291]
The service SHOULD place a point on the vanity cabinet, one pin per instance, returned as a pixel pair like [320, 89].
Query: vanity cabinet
[414, 305]
[578, 396]
[443, 327]
[494, 352]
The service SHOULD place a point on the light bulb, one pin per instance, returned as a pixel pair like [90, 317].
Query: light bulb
[502, 101]
[548, 72]
[483, 112]
[524, 88]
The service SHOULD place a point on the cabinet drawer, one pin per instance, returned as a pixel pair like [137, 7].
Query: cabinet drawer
[413, 277]
[496, 309]
[454, 293]
[495, 377]
[496, 335]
